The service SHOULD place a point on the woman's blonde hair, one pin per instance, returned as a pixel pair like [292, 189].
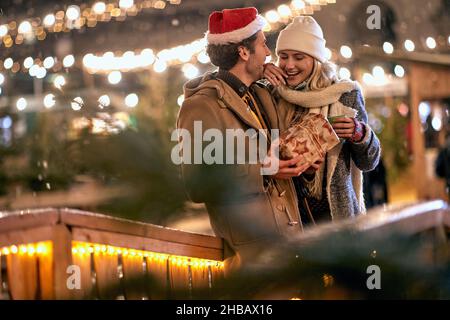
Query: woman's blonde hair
[322, 76]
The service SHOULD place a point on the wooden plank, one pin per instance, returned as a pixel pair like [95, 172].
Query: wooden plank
[22, 276]
[23, 219]
[90, 220]
[133, 270]
[26, 236]
[62, 259]
[84, 262]
[142, 243]
[46, 274]
[200, 278]
[107, 276]
[157, 271]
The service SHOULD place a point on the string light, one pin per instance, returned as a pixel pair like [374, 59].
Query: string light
[104, 101]
[159, 66]
[431, 43]
[68, 61]
[3, 30]
[99, 7]
[298, 4]
[180, 100]
[54, 22]
[190, 71]
[409, 45]
[399, 71]
[203, 57]
[40, 248]
[41, 72]
[272, 16]
[344, 73]
[49, 100]
[28, 62]
[114, 77]
[49, 20]
[388, 47]
[284, 11]
[25, 27]
[21, 104]
[82, 248]
[49, 62]
[77, 103]
[131, 100]
[126, 4]
[8, 63]
[59, 81]
[346, 52]
[73, 12]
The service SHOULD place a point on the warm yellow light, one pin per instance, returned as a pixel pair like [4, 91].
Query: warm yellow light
[49, 20]
[284, 11]
[298, 4]
[41, 248]
[31, 250]
[13, 249]
[73, 12]
[272, 16]
[82, 247]
[25, 27]
[23, 249]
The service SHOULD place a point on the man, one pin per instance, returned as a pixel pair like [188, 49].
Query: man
[247, 209]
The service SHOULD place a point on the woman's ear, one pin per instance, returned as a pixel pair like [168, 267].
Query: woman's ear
[244, 53]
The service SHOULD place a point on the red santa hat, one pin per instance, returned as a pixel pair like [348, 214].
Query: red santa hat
[233, 25]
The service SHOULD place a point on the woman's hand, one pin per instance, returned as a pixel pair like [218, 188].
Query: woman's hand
[344, 127]
[314, 167]
[274, 74]
[291, 168]
[283, 169]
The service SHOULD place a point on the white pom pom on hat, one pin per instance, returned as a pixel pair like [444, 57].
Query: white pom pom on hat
[305, 35]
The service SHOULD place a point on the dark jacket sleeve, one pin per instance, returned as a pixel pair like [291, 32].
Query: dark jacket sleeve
[365, 154]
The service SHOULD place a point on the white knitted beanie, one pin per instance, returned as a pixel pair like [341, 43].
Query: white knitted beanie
[305, 35]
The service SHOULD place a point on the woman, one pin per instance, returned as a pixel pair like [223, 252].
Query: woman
[306, 82]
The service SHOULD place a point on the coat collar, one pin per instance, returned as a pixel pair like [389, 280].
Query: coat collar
[229, 98]
[234, 102]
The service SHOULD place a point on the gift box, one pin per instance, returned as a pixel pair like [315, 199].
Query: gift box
[311, 137]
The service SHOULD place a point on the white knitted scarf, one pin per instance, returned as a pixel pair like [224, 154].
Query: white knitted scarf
[327, 103]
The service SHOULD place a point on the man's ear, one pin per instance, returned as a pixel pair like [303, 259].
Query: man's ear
[244, 53]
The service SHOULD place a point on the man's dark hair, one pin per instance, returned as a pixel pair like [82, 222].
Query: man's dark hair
[225, 56]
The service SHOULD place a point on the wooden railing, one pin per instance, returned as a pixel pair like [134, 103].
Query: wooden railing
[71, 254]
